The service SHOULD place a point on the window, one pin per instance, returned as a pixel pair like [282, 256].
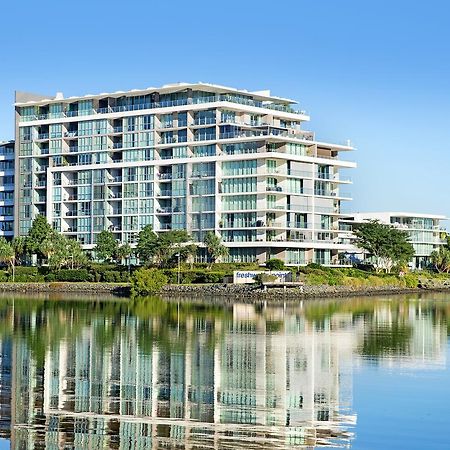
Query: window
[240, 167]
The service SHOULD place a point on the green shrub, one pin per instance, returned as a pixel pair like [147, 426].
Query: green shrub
[275, 264]
[356, 282]
[195, 276]
[109, 273]
[70, 275]
[110, 276]
[213, 277]
[411, 280]
[172, 276]
[4, 276]
[27, 274]
[188, 276]
[313, 266]
[147, 281]
[373, 280]
[316, 278]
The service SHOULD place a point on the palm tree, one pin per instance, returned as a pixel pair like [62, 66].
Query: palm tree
[214, 247]
[7, 255]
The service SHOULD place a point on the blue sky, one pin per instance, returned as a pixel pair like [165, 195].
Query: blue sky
[375, 72]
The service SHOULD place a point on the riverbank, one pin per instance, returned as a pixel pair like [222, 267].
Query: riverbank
[226, 292]
[119, 289]
[249, 293]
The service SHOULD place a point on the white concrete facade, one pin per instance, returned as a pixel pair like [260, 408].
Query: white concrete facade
[198, 157]
[424, 231]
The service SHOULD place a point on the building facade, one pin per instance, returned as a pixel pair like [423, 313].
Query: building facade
[7, 189]
[424, 231]
[198, 157]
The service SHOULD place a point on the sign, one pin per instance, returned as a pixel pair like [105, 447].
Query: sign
[248, 276]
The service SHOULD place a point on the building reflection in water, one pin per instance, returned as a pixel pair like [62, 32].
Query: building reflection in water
[198, 378]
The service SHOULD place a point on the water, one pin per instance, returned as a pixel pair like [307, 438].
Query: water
[363, 373]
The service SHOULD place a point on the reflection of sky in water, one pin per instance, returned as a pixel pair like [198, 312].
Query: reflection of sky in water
[402, 408]
[154, 375]
[4, 444]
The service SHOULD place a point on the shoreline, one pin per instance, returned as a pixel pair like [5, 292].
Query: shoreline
[229, 292]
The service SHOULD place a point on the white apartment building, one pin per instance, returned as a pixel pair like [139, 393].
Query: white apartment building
[424, 231]
[198, 157]
[7, 189]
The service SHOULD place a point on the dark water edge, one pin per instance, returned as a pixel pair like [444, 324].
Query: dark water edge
[227, 293]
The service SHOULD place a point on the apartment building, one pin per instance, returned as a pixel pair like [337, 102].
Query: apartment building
[7, 189]
[424, 231]
[199, 157]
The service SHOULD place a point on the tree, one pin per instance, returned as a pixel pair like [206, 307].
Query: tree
[124, 252]
[147, 243]
[19, 246]
[7, 255]
[162, 247]
[441, 259]
[214, 246]
[62, 251]
[40, 231]
[389, 245]
[76, 256]
[107, 246]
[168, 244]
[48, 246]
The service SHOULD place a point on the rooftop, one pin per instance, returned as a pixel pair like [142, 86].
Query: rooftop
[398, 214]
[24, 99]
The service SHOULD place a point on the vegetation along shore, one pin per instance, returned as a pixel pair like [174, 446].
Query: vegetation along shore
[45, 261]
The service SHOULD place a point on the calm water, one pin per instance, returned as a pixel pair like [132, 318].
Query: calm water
[364, 373]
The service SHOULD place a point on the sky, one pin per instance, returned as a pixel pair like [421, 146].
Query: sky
[376, 72]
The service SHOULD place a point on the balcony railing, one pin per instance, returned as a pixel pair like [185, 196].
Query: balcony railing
[164, 104]
[205, 121]
[274, 188]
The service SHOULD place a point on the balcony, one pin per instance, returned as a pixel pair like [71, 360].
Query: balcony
[163, 104]
[299, 173]
[271, 224]
[274, 188]
[204, 137]
[237, 225]
[297, 225]
[205, 121]
[203, 174]
[166, 210]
